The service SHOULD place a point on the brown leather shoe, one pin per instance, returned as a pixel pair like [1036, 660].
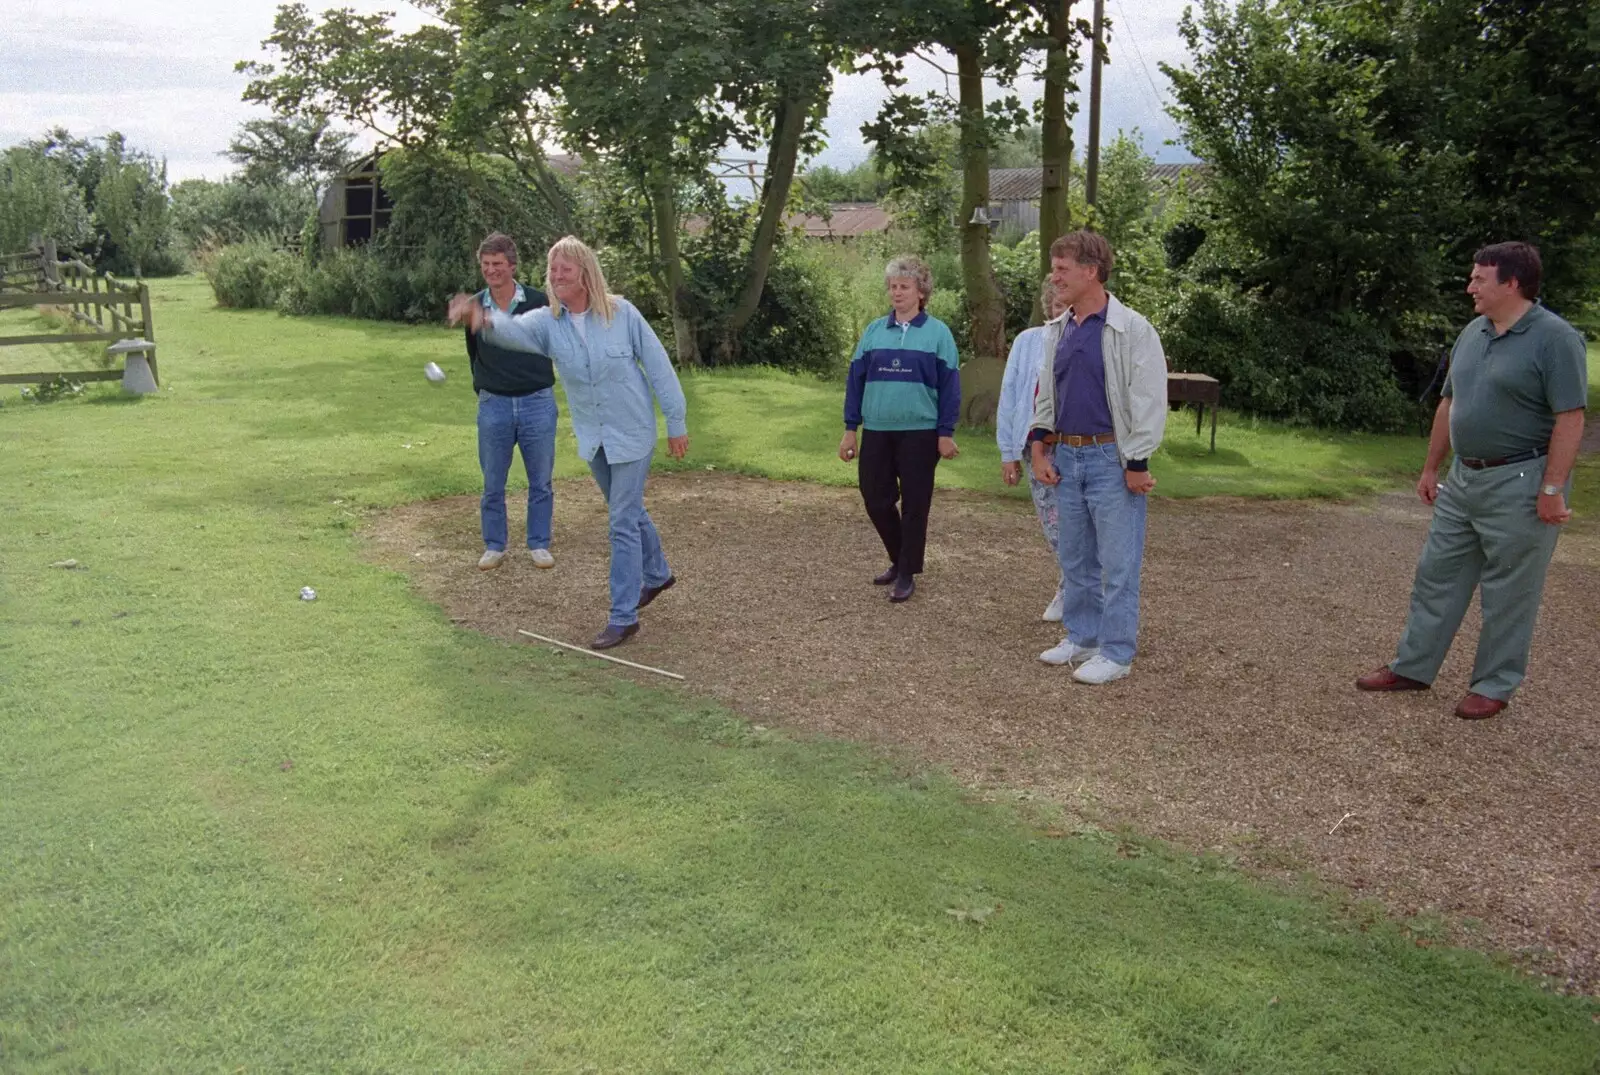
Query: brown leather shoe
[903, 589]
[1384, 679]
[1478, 707]
[887, 577]
[614, 635]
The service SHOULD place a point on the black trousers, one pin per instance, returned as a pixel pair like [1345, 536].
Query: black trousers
[895, 472]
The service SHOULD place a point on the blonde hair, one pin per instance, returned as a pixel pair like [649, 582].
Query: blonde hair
[574, 250]
[1048, 298]
[914, 269]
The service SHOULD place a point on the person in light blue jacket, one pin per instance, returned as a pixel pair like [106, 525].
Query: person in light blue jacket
[611, 363]
[1015, 418]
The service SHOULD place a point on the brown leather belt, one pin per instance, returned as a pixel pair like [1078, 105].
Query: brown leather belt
[1073, 440]
[1521, 457]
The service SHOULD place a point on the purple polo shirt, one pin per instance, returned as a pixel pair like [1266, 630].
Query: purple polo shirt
[1080, 372]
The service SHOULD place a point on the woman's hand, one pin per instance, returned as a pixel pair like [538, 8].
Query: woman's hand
[847, 446]
[947, 448]
[1043, 472]
[468, 310]
[678, 447]
[1011, 473]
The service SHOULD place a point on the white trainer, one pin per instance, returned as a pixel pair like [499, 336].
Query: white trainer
[490, 559]
[1052, 612]
[1097, 670]
[1068, 652]
[541, 558]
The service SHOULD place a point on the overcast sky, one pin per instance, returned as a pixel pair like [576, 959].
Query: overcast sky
[161, 72]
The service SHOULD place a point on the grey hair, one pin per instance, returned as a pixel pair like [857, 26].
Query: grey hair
[913, 268]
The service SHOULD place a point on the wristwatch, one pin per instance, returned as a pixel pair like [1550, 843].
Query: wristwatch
[1550, 490]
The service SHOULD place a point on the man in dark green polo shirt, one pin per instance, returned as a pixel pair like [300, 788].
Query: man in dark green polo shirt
[1513, 413]
[516, 410]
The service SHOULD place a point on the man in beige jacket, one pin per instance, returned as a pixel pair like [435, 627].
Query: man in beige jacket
[1098, 418]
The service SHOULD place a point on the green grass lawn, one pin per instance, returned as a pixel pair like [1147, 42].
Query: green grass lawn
[240, 831]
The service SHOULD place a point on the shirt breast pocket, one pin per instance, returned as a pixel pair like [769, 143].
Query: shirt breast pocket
[618, 364]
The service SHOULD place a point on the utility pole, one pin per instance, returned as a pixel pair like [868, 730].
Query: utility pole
[1091, 182]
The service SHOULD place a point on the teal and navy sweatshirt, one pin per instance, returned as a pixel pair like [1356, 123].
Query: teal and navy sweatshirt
[503, 371]
[904, 375]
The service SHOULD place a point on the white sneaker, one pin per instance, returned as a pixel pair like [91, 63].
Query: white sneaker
[490, 559]
[541, 558]
[1068, 652]
[1098, 670]
[1052, 612]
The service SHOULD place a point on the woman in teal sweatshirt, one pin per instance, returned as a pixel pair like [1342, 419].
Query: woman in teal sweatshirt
[903, 393]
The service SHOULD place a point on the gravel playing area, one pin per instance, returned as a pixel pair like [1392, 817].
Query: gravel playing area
[1239, 731]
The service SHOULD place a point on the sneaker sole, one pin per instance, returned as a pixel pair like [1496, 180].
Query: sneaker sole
[1102, 682]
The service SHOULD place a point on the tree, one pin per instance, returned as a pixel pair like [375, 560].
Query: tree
[1513, 88]
[1360, 152]
[697, 78]
[39, 198]
[983, 36]
[1058, 37]
[301, 150]
[131, 202]
[399, 87]
[863, 182]
[204, 211]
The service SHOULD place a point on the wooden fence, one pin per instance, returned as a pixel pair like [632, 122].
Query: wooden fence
[113, 309]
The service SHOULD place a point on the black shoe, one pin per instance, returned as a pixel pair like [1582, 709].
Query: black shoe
[903, 589]
[650, 593]
[887, 577]
[614, 636]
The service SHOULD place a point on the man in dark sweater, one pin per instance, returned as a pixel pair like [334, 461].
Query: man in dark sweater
[516, 408]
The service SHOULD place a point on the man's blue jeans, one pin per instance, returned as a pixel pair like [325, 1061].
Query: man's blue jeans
[636, 557]
[1101, 548]
[526, 422]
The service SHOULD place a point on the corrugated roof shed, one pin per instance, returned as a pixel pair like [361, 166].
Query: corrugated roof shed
[848, 219]
[1026, 184]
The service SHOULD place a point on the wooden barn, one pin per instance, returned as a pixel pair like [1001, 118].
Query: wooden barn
[355, 206]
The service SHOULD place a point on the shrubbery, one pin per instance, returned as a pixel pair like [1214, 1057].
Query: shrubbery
[249, 275]
[1339, 373]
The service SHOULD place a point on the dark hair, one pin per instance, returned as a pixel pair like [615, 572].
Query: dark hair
[1086, 248]
[1514, 261]
[499, 243]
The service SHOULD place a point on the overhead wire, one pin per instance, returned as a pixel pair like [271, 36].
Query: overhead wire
[1133, 41]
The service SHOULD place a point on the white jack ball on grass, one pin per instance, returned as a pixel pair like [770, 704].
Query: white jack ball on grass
[434, 373]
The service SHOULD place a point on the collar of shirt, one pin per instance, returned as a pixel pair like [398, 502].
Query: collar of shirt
[1074, 323]
[1524, 322]
[517, 298]
[915, 322]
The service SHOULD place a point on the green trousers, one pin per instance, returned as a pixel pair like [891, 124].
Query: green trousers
[1486, 535]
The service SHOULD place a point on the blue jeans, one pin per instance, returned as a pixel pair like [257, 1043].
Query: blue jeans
[504, 423]
[1101, 548]
[636, 557]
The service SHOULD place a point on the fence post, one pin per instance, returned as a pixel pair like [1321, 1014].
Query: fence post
[52, 276]
[149, 327]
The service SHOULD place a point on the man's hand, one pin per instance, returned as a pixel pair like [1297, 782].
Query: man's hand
[678, 447]
[1011, 473]
[1553, 509]
[466, 309]
[947, 448]
[1042, 470]
[1428, 486]
[1139, 482]
[847, 446]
